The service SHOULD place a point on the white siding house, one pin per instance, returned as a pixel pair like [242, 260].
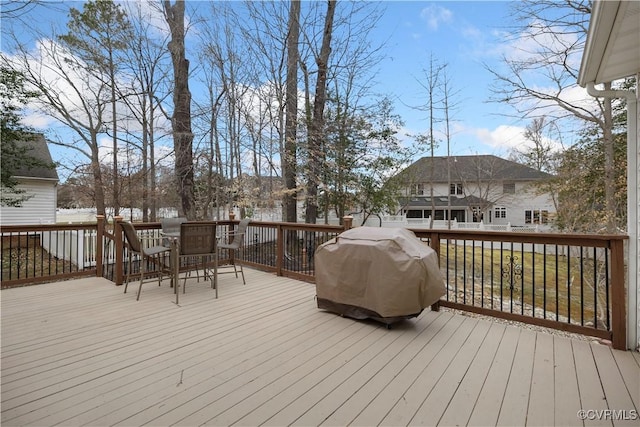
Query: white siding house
[41, 184]
[483, 188]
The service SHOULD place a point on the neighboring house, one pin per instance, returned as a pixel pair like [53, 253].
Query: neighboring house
[41, 184]
[478, 188]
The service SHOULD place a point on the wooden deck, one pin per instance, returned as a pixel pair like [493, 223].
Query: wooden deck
[83, 353]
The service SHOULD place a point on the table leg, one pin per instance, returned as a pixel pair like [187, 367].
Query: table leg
[176, 269]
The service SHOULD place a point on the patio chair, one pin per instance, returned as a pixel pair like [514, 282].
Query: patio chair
[155, 254]
[171, 227]
[198, 243]
[233, 241]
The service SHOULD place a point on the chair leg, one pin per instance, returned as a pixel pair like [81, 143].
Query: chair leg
[126, 280]
[142, 270]
[214, 280]
[242, 272]
[160, 268]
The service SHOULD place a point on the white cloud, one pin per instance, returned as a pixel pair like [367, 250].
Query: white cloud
[506, 138]
[502, 137]
[435, 15]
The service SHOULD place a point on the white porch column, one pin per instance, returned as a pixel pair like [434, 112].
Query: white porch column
[633, 219]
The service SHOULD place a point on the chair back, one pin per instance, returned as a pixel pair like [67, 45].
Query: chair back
[172, 225]
[197, 238]
[238, 234]
[131, 236]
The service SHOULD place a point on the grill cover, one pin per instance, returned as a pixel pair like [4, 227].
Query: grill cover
[386, 274]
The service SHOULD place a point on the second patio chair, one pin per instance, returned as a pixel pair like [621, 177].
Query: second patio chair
[171, 228]
[198, 243]
[233, 242]
[154, 254]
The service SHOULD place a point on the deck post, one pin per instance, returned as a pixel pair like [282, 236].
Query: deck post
[99, 244]
[347, 222]
[117, 233]
[279, 249]
[434, 243]
[618, 294]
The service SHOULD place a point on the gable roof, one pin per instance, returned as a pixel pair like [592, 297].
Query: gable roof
[37, 147]
[471, 168]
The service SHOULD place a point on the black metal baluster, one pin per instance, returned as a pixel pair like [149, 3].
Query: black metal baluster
[582, 285]
[464, 271]
[533, 278]
[557, 279]
[455, 270]
[595, 288]
[606, 269]
[522, 279]
[568, 284]
[473, 272]
[544, 282]
[447, 270]
[482, 274]
[501, 277]
[492, 275]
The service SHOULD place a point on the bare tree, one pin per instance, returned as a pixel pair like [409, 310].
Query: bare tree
[70, 96]
[146, 61]
[555, 33]
[539, 155]
[449, 105]
[98, 35]
[480, 181]
[316, 130]
[431, 84]
[289, 156]
[181, 119]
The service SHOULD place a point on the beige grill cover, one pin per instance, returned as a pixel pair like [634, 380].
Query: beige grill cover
[387, 271]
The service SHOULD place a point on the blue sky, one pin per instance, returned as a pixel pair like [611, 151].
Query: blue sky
[463, 34]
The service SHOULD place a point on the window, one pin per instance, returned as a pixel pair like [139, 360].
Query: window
[509, 188]
[536, 216]
[500, 212]
[417, 189]
[455, 189]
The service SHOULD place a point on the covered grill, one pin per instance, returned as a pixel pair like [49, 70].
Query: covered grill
[386, 274]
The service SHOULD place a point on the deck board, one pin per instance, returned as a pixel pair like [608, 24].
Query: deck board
[566, 393]
[81, 352]
[460, 408]
[541, 396]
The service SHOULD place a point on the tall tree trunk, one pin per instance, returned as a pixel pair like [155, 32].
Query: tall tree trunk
[114, 121]
[97, 176]
[316, 133]
[289, 158]
[181, 120]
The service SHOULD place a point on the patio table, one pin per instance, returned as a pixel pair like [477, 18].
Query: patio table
[175, 242]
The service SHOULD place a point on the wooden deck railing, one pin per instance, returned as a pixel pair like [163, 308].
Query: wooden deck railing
[574, 283]
[49, 252]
